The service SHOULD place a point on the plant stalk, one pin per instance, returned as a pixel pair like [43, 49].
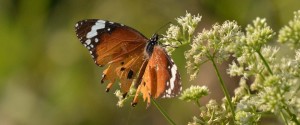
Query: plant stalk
[265, 62]
[293, 116]
[198, 104]
[284, 119]
[163, 112]
[225, 91]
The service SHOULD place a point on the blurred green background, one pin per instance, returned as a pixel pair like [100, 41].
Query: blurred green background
[48, 78]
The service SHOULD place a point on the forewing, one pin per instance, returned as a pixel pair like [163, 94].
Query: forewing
[113, 44]
[108, 41]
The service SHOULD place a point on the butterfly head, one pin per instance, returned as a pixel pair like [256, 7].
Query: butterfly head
[151, 43]
[154, 38]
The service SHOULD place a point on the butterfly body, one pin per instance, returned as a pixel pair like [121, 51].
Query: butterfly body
[130, 55]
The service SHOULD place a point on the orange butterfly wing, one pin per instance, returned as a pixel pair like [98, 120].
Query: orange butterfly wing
[161, 78]
[116, 45]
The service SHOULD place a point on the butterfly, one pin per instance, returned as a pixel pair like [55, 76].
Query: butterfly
[131, 58]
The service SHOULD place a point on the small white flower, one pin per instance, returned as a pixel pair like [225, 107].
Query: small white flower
[172, 32]
[119, 95]
[194, 93]
[246, 118]
[258, 34]
[290, 33]
[181, 34]
[211, 44]
[235, 70]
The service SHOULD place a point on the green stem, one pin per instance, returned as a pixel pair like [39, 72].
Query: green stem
[294, 117]
[225, 91]
[265, 62]
[198, 104]
[163, 112]
[284, 119]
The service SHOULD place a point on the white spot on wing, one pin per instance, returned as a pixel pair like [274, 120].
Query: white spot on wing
[100, 24]
[169, 92]
[91, 34]
[173, 78]
[96, 40]
[156, 67]
[88, 41]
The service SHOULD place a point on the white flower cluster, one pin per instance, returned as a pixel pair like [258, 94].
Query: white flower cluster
[273, 82]
[181, 34]
[119, 95]
[213, 114]
[290, 34]
[246, 118]
[121, 98]
[189, 22]
[257, 34]
[211, 44]
[194, 93]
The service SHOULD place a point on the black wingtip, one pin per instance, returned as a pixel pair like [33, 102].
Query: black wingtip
[107, 90]
[103, 77]
[124, 95]
[133, 104]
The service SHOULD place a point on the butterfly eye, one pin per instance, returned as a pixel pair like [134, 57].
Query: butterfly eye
[154, 37]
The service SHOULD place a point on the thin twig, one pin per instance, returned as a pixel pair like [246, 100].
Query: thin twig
[225, 91]
[163, 112]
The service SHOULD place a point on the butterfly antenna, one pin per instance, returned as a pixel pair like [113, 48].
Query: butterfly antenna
[162, 27]
[166, 45]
